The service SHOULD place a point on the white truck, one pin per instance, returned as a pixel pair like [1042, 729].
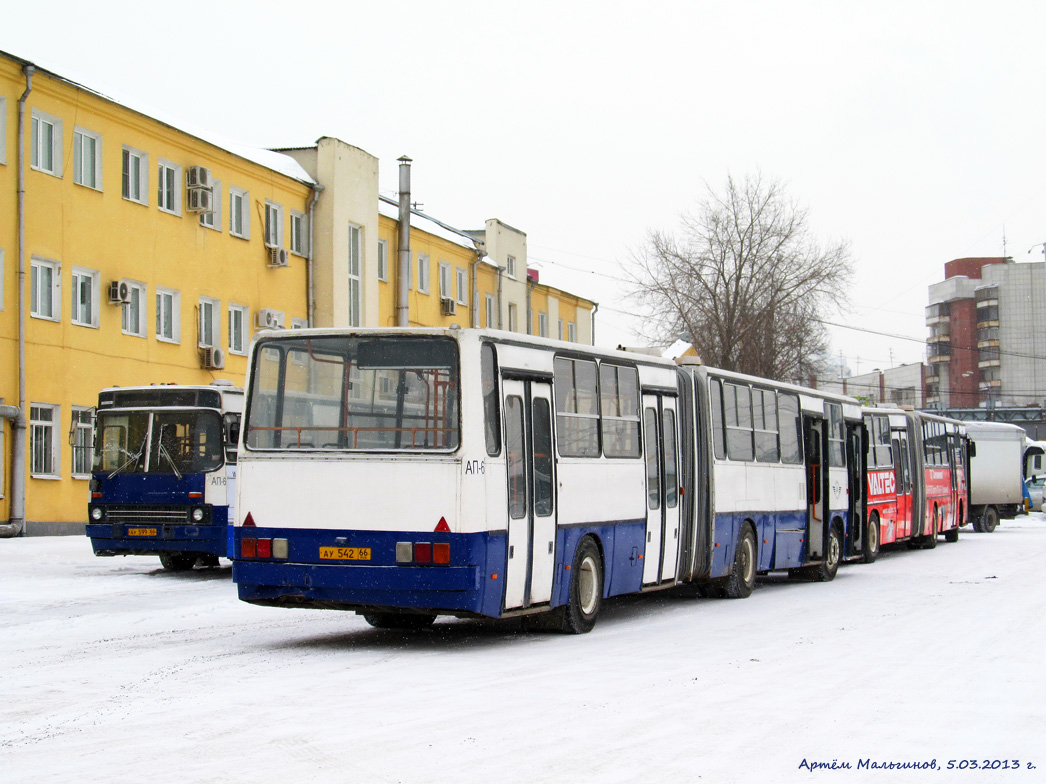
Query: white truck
[996, 472]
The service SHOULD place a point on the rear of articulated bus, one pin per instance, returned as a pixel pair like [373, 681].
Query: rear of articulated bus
[163, 474]
[938, 511]
[351, 470]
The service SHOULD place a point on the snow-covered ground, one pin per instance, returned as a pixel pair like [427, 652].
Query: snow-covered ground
[114, 670]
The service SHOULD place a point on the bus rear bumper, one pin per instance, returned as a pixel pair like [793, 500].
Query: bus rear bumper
[448, 590]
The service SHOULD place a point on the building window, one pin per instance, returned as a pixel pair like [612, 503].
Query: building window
[490, 323]
[543, 324]
[513, 317]
[168, 315]
[510, 266]
[45, 289]
[273, 224]
[423, 273]
[86, 291]
[3, 159]
[82, 439]
[213, 219]
[572, 332]
[463, 286]
[168, 194]
[43, 446]
[134, 310]
[239, 218]
[383, 260]
[559, 329]
[210, 326]
[45, 153]
[87, 158]
[444, 279]
[299, 234]
[135, 175]
[355, 249]
[238, 329]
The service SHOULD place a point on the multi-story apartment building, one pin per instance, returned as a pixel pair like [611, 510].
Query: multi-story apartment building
[987, 343]
[135, 251]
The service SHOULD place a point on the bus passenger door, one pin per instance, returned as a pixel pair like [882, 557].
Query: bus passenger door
[660, 455]
[531, 493]
[903, 469]
[816, 482]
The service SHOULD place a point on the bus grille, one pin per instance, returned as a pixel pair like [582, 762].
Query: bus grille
[147, 514]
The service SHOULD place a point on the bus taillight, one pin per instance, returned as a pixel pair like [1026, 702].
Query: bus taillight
[423, 552]
[248, 547]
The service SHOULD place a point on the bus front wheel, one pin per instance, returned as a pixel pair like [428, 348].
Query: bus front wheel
[871, 540]
[178, 562]
[741, 581]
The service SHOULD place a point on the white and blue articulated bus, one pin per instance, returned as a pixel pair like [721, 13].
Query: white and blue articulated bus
[164, 473]
[410, 473]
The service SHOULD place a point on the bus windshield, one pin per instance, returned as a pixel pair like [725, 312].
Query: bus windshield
[354, 393]
[159, 442]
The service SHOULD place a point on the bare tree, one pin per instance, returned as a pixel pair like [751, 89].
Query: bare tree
[744, 282]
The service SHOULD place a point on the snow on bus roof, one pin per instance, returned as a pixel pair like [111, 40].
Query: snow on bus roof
[270, 159]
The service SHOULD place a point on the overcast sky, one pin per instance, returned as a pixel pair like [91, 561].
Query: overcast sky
[915, 130]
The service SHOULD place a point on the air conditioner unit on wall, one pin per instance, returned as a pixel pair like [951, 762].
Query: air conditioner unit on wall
[448, 306]
[278, 257]
[119, 292]
[199, 200]
[198, 177]
[267, 318]
[212, 358]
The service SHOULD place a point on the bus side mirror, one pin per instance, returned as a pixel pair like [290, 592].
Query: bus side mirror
[231, 424]
[973, 449]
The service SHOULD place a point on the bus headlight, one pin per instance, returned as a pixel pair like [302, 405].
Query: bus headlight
[96, 513]
[197, 514]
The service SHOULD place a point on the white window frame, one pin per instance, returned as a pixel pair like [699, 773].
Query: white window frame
[542, 324]
[572, 332]
[83, 169]
[299, 234]
[491, 322]
[513, 317]
[239, 209]
[55, 294]
[354, 264]
[213, 219]
[444, 280]
[214, 338]
[48, 428]
[41, 121]
[81, 430]
[137, 292]
[462, 276]
[93, 279]
[383, 261]
[175, 326]
[239, 334]
[424, 271]
[131, 157]
[510, 266]
[169, 174]
[559, 329]
[273, 224]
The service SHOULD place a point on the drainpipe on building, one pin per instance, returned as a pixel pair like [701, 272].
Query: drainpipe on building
[594, 311]
[530, 313]
[403, 268]
[15, 526]
[310, 285]
[500, 274]
[474, 317]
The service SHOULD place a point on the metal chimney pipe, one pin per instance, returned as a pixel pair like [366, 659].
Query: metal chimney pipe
[403, 268]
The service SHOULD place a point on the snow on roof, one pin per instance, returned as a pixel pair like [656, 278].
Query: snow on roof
[677, 350]
[419, 220]
[275, 161]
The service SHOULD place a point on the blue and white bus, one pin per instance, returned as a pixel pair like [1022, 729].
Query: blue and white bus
[164, 472]
[410, 473]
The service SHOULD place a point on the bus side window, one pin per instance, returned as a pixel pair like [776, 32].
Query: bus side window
[491, 420]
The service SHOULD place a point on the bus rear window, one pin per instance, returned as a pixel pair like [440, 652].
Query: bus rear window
[352, 393]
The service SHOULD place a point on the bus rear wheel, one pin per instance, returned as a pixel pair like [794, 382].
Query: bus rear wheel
[930, 541]
[586, 589]
[178, 562]
[741, 581]
[990, 519]
[826, 570]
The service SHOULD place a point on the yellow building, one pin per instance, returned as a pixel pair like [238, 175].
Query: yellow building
[148, 254]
